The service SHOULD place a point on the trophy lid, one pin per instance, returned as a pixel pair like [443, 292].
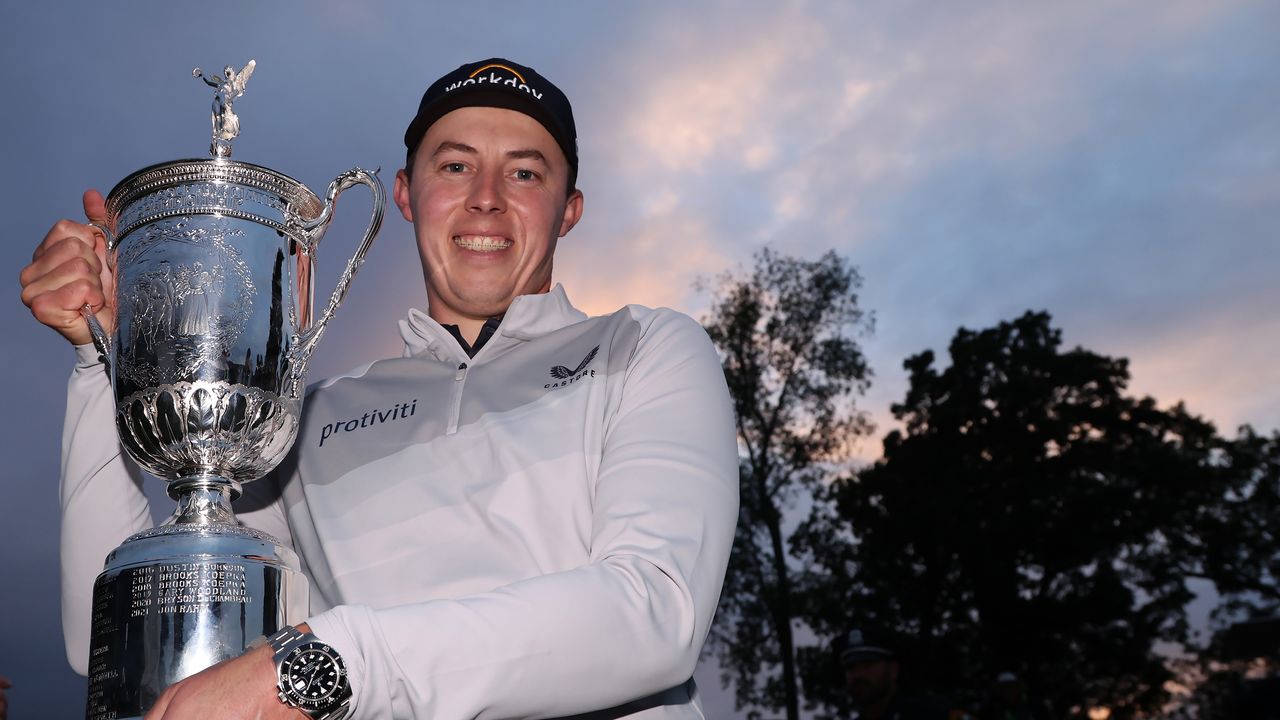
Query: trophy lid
[212, 187]
[215, 185]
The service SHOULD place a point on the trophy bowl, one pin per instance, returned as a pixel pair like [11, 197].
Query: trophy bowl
[213, 263]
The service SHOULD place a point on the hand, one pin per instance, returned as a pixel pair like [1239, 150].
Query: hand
[4, 700]
[68, 270]
[242, 687]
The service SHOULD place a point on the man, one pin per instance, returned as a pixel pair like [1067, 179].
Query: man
[871, 668]
[545, 535]
[1009, 700]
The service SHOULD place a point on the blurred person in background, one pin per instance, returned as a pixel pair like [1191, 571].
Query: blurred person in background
[1009, 700]
[871, 658]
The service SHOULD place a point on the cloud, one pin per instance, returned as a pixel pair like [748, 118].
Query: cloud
[655, 262]
[719, 98]
[1220, 362]
[1102, 162]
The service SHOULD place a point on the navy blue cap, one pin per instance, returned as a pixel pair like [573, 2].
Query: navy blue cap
[867, 643]
[499, 83]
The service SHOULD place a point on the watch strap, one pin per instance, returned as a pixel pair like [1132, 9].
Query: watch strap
[285, 640]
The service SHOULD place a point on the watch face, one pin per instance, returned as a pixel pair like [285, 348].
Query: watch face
[312, 675]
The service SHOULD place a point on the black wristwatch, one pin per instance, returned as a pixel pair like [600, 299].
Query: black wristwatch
[310, 675]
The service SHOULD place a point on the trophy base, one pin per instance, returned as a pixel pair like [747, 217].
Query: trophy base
[176, 599]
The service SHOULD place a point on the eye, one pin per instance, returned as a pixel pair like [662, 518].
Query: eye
[454, 167]
[525, 175]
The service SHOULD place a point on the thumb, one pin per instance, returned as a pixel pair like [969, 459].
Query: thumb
[95, 208]
[95, 211]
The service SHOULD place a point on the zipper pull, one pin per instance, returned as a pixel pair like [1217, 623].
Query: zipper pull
[462, 371]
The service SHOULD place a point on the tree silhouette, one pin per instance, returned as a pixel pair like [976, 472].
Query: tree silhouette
[1239, 538]
[785, 334]
[1023, 519]
[1235, 544]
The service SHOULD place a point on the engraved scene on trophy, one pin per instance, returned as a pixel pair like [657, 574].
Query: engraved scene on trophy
[169, 330]
[204, 368]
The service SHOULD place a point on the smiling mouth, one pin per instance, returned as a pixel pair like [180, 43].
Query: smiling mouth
[481, 243]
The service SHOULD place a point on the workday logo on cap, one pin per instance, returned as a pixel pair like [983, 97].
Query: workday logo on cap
[495, 74]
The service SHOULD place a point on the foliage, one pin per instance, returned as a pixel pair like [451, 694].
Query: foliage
[1025, 519]
[1238, 543]
[785, 332]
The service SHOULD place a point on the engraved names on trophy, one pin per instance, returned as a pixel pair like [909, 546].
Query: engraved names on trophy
[104, 672]
[106, 662]
[175, 595]
[100, 672]
[184, 587]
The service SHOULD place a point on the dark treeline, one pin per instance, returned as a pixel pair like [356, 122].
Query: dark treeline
[1029, 517]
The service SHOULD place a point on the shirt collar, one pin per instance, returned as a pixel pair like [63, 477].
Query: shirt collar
[528, 317]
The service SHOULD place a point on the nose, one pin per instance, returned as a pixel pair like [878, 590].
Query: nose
[487, 194]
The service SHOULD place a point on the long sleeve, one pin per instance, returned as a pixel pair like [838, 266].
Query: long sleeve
[626, 625]
[101, 497]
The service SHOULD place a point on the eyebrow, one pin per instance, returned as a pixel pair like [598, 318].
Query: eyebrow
[524, 154]
[529, 154]
[448, 145]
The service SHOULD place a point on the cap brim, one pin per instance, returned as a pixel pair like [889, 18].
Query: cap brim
[863, 654]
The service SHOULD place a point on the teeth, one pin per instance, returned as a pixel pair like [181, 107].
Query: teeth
[481, 243]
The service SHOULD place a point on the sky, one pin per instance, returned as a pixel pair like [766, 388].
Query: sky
[1114, 163]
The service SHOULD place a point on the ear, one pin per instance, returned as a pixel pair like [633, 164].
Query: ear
[572, 212]
[401, 195]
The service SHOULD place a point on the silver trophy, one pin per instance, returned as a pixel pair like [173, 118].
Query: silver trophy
[214, 261]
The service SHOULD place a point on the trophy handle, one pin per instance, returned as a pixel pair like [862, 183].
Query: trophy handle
[96, 331]
[355, 176]
[99, 335]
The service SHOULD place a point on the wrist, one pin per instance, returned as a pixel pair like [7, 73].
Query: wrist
[260, 656]
[87, 354]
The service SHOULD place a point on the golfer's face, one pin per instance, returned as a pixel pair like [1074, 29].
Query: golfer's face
[488, 201]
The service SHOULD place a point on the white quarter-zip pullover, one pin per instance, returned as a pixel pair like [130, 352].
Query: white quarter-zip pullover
[539, 531]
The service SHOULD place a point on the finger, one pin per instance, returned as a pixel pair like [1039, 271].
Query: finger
[63, 256]
[65, 230]
[68, 276]
[60, 310]
[64, 296]
[63, 268]
[106, 272]
[95, 208]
